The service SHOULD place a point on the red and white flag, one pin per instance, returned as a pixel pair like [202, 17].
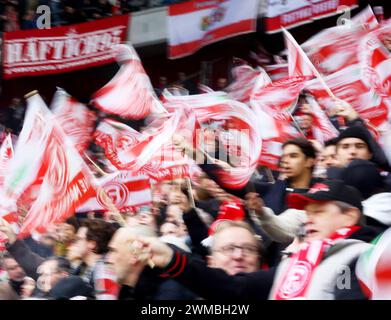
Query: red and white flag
[375, 61]
[134, 156]
[66, 183]
[298, 62]
[322, 127]
[130, 93]
[125, 190]
[115, 138]
[75, 119]
[277, 71]
[218, 107]
[197, 23]
[373, 268]
[347, 84]
[366, 18]
[334, 49]
[246, 81]
[273, 106]
[6, 153]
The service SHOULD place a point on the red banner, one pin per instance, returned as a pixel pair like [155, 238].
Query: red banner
[291, 14]
[62, 49]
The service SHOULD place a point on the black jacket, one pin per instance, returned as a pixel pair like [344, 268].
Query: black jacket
[216, 284]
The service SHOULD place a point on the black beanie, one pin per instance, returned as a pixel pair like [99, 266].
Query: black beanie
[356, 132]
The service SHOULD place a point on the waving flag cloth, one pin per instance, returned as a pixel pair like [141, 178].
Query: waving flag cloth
[277, 71]
[273, 106]
[125, 190]
[375, 62]
[122, 144]
[66, 184]
[218, 107]
[322, 128]
[334, 49]
[373, 268]
[366, 18]
[197, 23]
[6, 153]
[298, 62]
[24, 169]
[347, 84]
[75, 119]
[130, 93]
[115, 138]
[245, 80]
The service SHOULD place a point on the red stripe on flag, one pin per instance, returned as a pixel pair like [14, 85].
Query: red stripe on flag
[231, 30]
[192, 6]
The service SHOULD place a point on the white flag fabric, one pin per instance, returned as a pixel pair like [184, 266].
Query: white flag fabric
[197, 23]
[6, 153]
[75, 119]
[130, 93]
[124, 189]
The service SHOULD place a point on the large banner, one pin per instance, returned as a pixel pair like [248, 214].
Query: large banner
[62, 49]
[197, 23]
[292, 13]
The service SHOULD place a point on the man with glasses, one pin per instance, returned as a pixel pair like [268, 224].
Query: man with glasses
[235, 248]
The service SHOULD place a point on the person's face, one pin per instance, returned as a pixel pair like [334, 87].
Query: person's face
[120, 256]
[49, 275]
[325, 218]
[349, 149]
[294, 162]
[66, 233]
[234, 250]
[329, 156]
[169, 229]
[28, 287]
[79, 247]
[221, 83]
[15, 272]
[305, 121]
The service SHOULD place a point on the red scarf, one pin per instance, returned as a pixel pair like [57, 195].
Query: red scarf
[302, 264]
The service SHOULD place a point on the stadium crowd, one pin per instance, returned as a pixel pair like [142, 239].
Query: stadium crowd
[285, 234]
[22, 14]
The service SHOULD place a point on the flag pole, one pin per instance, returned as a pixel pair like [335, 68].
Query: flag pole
[309, 63]
[95, 165]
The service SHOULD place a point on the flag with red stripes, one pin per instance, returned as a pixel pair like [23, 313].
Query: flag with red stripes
[130, 93]
[298, 62]
[75, 119]
[125, 190]
[197, 23]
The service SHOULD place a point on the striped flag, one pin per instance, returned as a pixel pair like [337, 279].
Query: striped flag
[373, 268]
[298, 62]
[75, 119]
[66, 180]
[125, 189]
[246, 81]
[130, 93]
[6, 153]
[197, 23]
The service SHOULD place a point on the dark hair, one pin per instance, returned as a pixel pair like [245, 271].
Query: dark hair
[73, 222]
[304, 145]
[331, 142]
[63, 264]
[99, 231]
